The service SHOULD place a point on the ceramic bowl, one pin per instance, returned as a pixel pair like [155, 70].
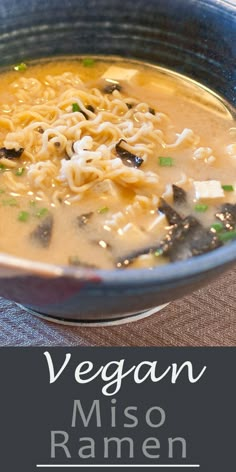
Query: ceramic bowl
[196, 38]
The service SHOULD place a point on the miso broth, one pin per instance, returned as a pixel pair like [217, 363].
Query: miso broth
[109, 163]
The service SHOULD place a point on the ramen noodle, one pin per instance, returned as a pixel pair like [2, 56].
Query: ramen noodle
[113, 164]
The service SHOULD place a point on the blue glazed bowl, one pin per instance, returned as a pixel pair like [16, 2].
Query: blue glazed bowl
[196, 38]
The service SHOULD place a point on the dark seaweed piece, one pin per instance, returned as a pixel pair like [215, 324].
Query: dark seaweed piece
[204, 241]
[129, 106]
[91, 108]
[127, 259]
[177, 235]
[111, 87]
[179, 195]
[43, 232]
[227, 215]
[152, 111]
[190, 239]
[171, 215]
[129, 159]
[178, 227]
[85, 114]
[10, 153]
[186, 238]
[82, 220]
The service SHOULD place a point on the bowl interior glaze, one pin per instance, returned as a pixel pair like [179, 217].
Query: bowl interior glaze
[196, 38]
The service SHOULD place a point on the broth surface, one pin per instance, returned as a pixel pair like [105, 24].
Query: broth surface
[88, 151]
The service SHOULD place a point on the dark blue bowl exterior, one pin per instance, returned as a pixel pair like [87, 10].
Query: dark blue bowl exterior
[196, 38]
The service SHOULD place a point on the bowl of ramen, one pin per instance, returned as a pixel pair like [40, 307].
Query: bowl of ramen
[117, 153]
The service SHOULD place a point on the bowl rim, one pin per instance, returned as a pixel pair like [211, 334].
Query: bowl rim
[165, 274]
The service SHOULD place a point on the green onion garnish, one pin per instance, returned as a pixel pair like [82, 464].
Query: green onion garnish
[10, 202]
[103, 210]
[166, 161]
[158, 252]
[32, 203]
[75, 107]
[2, 168]
[20, 67]
[228, 188]
[88, 62]
[224, 237]
[41, 212]
[23, 216]
[217, 227]
[20, 171]
[201, 208]
[2, 190]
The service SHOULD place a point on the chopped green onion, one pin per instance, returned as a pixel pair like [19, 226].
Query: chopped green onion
[103, 210]
[217, 227]
[228, 188]
[10, 202]
[41, 212]
[166, 161]
[2, 168]
[227, 236]
[20, 67]
[75, 107]
[20, 171]
[158, 252]
[201, 208]
[2, 190]
[23, 216]
[32, 203]
[88, 62]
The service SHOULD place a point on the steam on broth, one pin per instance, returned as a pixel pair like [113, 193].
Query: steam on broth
[108, 163]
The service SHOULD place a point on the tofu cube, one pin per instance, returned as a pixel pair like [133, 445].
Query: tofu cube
[106, 187]
[132, 235]
[130, 238]
[158, 226]
[119, 74]
[209, 189]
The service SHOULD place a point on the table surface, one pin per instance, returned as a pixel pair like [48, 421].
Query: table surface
[205, 318]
